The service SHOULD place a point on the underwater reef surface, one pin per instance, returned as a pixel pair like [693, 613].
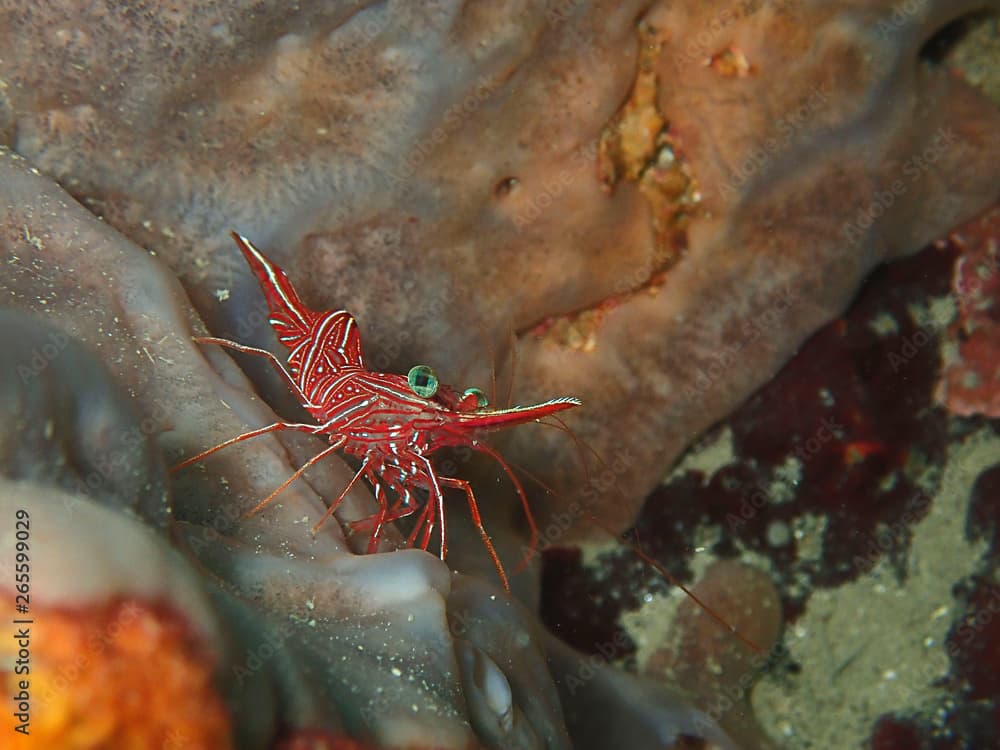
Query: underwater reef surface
[868, 497]
[659, 202]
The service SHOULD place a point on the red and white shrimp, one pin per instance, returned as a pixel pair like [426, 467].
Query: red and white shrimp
[392, 423]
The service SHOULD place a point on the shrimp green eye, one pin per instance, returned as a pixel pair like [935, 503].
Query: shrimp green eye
[481, 401]
[422, 381]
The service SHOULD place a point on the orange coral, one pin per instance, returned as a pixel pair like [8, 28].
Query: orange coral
[315, 739]
[125, 675]
[637, 146]
[970, 381]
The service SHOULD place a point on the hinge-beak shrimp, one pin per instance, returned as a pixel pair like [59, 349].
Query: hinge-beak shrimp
[392, 423]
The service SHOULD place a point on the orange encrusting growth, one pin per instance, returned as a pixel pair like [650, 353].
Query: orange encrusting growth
[125, 675]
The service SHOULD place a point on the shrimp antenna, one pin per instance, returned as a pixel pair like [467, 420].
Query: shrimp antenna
[634, 546]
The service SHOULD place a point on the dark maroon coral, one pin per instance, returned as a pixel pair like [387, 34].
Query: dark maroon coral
[984, 510]
[891, 733]
[856, 416]
[974, 648]
[851, 412]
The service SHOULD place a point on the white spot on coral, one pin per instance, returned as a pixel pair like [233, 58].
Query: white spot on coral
[884, 324]
[222, 34]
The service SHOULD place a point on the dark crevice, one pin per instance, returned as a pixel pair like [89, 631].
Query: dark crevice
[936, 49]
